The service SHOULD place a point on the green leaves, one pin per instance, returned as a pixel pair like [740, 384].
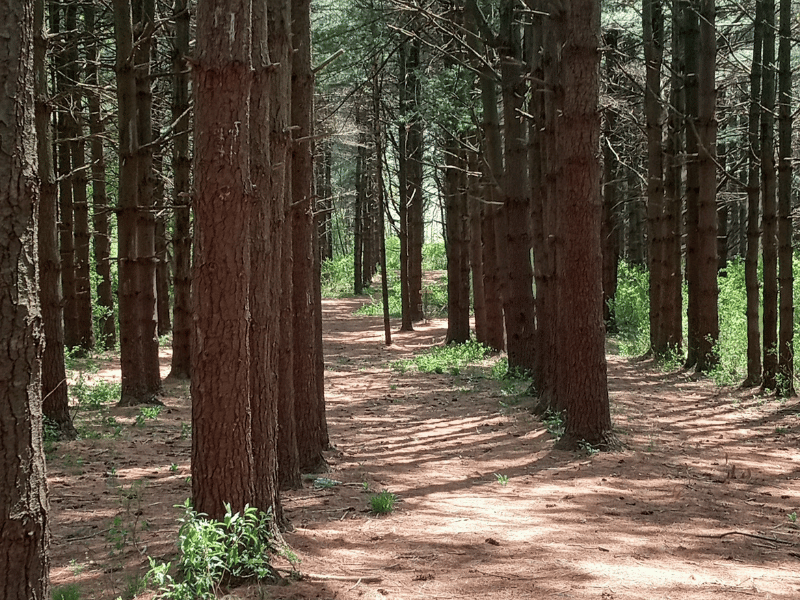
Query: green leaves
[237, 548]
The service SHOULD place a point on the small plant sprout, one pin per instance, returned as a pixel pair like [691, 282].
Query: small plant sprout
[173, 468]
[383, 502]
[792, 516]
[554, 423]
[587, 448]
[501, 479]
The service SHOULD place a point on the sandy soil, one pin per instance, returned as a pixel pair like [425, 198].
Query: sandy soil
[699, 506]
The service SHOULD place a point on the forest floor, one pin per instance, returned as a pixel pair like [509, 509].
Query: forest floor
[702, 504]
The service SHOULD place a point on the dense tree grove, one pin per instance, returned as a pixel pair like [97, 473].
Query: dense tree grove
[191, 177]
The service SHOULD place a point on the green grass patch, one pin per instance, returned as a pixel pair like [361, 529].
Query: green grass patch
[451, 358]
[383, 502]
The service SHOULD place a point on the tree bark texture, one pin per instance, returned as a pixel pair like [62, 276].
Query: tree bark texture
[358, 207]
[753, 227]
[266, 271]
[280, 52]
[707, 317]
[24, 535]
[769, 217]
[147, 304]
[107, 335]
[182, 235]
[476, 247]
[223, 468]
[312, 427]
[609, 232]
[135, 387]
[55, 403]
[785, 383]
[406, 323]
[457, 246]
[494, 336]
[415, 148]
[583, 388]
[691, 44]
[65, 130]
[518, 303]
[79, 180]
[653, 31]
[672, 284]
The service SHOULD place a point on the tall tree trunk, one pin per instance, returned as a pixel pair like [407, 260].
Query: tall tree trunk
[476, 247]
[312, 426]
[358, 209]
[785, 383]
[100, 210]
[55, 403]
[491, 168]
[456, 244]
[518, 305]
[769, 221]
[64, 167]
[24, 534]
[280, 52]
[161, 245]
[609, 232]
[547, 283]
[415, 195]
[80, 205]
[653, 31]
[707, 291]
[691, 38]
[583, 388]
[403, 194]
[753, 227]
[135, 385]
[223, 464]
[325, 202]
[265, 267]
[379, 160]
[672, 284]
[147, 307]
[181, 163]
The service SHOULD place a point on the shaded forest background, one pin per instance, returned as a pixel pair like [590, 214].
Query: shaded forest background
[575, 169]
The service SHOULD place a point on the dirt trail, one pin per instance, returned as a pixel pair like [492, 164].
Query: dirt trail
[696, 508]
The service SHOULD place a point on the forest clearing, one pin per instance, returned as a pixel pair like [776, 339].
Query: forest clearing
[701, 504]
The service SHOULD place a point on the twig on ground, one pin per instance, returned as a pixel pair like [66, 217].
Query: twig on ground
[750, 535]
[356, 578]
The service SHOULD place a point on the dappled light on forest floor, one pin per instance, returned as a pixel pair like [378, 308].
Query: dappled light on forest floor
[701, 504]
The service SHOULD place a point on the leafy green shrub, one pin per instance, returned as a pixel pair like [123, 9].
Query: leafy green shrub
[337, 277]
[212, 553]
[383, 502]
[554, 423]
[450, 358]
[434, 256]
[50, 430]
[731, 348]
[630, 308]
[97, 396]
[147, 413]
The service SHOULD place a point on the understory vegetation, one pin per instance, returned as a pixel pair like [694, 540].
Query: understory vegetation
[236, 549]
[631, 307]
[337, 281]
